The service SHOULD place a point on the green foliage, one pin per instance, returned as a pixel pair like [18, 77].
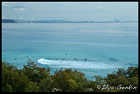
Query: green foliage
[68, 80]
[46, 84]
[35, 79]
[15, 80]
[124, 77]
[132, 72]
[121, 72]
[99, 80]
[34, 73]
[9, 88]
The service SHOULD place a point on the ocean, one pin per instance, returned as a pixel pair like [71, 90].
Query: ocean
[91, 48]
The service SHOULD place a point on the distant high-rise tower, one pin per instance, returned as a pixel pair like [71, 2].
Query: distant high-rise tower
[116, 20]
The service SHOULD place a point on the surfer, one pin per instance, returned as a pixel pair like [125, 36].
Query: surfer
[85, 59]
[75, 59]
[66, 54]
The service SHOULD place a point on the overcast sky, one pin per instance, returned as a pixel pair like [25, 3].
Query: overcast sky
[98, 11]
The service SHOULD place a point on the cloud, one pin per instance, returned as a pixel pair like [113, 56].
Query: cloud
[13, 5]
[21, 18]
[3, 17]
[100, 7]
[20, 9]
[5, 4]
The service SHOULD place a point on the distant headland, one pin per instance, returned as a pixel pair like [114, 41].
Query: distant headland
[62, 21]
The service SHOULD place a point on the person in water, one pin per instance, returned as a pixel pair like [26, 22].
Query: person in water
[66, 54]
[85, 59]
[75, 59]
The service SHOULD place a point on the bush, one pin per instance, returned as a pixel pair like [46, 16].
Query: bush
[15, 80]
[35, 79]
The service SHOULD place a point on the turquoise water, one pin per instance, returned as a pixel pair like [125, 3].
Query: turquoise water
[106, 46]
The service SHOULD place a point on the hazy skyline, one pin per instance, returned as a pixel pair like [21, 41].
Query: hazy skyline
[98, 11]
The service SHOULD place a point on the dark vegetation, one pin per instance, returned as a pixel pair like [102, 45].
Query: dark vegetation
[35, 79]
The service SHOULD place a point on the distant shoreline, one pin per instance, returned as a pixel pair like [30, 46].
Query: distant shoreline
[70, 22]
[61, 21]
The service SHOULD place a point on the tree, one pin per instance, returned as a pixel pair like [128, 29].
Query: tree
[35, 73]
[132, 72]
[65, 79]
[46, 84]
[36, 79]
[15, 80]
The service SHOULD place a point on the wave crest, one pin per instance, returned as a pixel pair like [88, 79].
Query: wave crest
[76, 64]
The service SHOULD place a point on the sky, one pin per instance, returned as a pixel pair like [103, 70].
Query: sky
[95, 11]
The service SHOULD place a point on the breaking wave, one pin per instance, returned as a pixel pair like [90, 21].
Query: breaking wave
[77, 64]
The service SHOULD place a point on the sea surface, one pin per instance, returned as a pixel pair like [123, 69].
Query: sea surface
[91, 48]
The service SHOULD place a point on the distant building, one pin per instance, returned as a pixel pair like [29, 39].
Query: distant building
[116, 20]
